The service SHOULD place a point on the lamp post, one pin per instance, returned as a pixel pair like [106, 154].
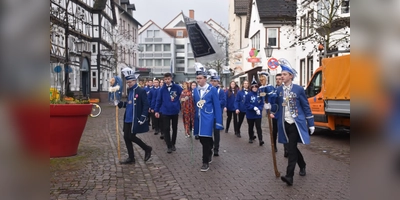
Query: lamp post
[268, 53]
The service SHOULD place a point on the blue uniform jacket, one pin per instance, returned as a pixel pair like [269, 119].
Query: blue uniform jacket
[153, 94]
[269, 91]
[137, 108]
[168, 102]
[240, 100]
[253, 99]
[230, 101]
[221, 96]
[204, 117]
[299, 104]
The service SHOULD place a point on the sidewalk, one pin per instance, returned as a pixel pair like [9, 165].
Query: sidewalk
[242, 171]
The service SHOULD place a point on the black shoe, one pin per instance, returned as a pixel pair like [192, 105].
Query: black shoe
[287, 180]
[251, 141]
[302, 171]
[276, 150]
[286, 154]
[261, 143]
[169, 150]
[173, 148]
[196, 137]
[155, 133]
[216, 153]
[254, 137]
[162, 136]
[204, 167]
[238, 135]
[226, 130]
[127, 161]
[147, 153]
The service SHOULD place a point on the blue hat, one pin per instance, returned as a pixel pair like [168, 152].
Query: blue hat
[262, 73]
[129, 74]
[213, 74]
[200, 69]
[285, 66]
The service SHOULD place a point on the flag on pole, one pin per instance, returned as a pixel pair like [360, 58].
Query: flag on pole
[204, 46]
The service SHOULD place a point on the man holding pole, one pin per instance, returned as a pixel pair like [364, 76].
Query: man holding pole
[137, 107]
[295, 118]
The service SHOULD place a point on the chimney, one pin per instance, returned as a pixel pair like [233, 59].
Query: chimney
[191, 14]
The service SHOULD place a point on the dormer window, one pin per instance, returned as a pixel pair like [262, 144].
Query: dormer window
[179, 33]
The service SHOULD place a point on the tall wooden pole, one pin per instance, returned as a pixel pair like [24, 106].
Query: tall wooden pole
[277, 174]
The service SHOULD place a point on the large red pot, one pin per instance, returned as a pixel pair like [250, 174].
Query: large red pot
[67, 122]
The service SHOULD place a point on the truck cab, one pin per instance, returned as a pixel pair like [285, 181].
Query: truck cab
[328, 94]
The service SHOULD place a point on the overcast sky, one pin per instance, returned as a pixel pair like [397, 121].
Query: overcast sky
[163, 11]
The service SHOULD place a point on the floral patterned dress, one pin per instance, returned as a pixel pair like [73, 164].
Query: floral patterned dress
[187, 108]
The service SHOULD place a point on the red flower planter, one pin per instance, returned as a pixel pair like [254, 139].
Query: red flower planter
[67, 122]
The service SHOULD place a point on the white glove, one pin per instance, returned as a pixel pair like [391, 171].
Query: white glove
[267, 106]
[141, 122]
[255, 109]
[116, 102]
[312, 129]
[258, 112]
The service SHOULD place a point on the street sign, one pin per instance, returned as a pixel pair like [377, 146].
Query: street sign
[57, 69]
[253, 60]
[273, 63]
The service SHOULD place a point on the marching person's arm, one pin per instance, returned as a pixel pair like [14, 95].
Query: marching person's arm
[158, 103]
[145, 110]
[237, 102]
[307, 111]
[217, 110]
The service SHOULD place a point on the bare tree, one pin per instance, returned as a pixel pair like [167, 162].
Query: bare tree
[320, 23]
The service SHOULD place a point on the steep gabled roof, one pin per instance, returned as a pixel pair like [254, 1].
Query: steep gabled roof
[147, 25]
[240, 7]
[211, 22]
[181, 13]
[276, 11]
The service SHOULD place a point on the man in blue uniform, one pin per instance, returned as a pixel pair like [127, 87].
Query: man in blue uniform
[135, 116]
[167, 109]
[207, 112]
[295, 118]
[214, 80]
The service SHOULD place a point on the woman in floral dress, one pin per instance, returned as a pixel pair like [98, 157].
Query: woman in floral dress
[187, 107]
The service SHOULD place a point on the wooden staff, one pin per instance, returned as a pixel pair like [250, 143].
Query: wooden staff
[116, 126]
[277, 174]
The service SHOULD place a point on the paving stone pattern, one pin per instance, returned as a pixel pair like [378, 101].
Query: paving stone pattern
[242, 171]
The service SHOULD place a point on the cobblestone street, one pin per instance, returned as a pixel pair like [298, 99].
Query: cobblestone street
[242, 171]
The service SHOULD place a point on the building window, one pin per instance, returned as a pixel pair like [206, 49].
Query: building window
[302, 72]
[156, 33]
[149, 63]
[94, 48]
[141, 62]
[150, 33]
[149, 47]
[310, 22]
[191, 62]
[303, 26]
[255, 41]
[272, 37]
[179, 33]
[157, 62]
[167, 62]
[167, 47]
[94, 79]
[180, 61]
[310, 68]
[180, 47]
[345, 6]
[157, 47]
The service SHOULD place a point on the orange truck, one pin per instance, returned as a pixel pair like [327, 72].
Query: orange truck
[328, 93]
